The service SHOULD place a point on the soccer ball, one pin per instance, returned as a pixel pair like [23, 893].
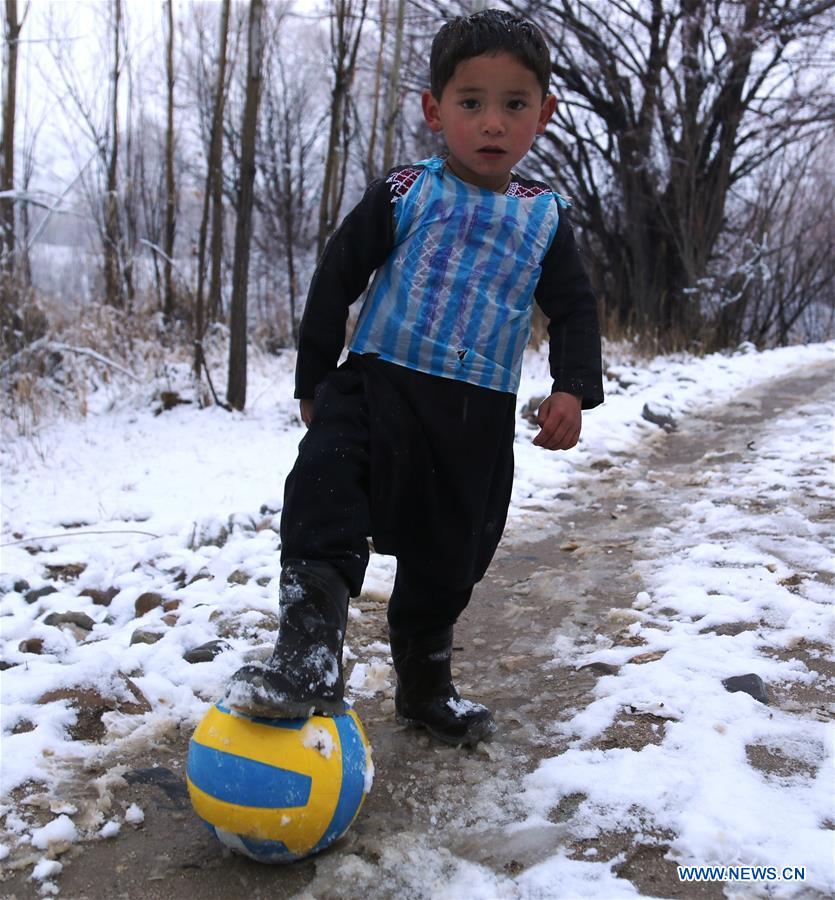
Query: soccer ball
[278, 790]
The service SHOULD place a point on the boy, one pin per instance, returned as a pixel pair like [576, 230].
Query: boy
[411, 440]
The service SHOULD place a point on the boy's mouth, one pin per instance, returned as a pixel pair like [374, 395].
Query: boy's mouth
[490, 151]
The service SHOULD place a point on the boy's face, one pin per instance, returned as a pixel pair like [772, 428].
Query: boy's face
[489, 112]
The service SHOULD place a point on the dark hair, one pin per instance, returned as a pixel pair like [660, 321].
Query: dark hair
[489, 31]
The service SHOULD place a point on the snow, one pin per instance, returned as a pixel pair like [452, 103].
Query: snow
[134, 815]
[61, 830]
[185, 505]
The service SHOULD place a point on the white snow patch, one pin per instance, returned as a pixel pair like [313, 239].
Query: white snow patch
[45, 869]
[318, 738]
[59, 831]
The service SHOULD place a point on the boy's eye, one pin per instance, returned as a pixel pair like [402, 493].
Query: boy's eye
[516, 104]
[470, 103]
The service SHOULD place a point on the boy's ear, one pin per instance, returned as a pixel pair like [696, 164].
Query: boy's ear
[431, 111]
[549, 104]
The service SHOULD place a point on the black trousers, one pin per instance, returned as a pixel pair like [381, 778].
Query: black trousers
[422, 464]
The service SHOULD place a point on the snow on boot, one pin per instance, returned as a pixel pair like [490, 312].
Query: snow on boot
[303, 676]
[425, 696]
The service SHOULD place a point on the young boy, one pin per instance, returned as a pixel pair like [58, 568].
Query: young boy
[411, 439]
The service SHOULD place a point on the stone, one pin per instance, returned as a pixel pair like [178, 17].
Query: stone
[643, 658]
[599, 668]
[658, 416]
[65, 571]
[238, 577]
[202, 575]
[145, 636]
[748, 684]
[34, 596]
[146, 602]
[99, 597]
[32, 645]
[514, 663]
[205, 652]
[79, 619]
[21, 586]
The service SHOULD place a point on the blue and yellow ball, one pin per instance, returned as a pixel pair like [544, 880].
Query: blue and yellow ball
[278, 790]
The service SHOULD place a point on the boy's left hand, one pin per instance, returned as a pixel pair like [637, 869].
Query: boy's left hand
[559, 419]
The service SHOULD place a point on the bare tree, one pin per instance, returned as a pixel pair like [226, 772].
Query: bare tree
[236, 386]
[112, 233]
[13, 25]
[212, 196]
[665, 105]
[289, 134]
[774, 278]
[346, 22]
[393, 94]
[170, 187]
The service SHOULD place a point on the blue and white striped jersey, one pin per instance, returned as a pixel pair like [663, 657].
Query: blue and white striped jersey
[454, 297]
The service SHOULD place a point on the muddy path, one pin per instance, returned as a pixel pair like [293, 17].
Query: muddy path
[568, 583]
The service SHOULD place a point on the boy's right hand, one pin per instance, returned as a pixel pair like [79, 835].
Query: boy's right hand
[306, 412]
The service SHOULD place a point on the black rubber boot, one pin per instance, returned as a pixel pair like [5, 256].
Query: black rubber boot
[425, 696]
[303, 676]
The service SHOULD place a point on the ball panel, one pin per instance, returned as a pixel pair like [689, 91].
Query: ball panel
[260, 851]
[277, 742]
[245, 782]
[352, 795]
[299, 828]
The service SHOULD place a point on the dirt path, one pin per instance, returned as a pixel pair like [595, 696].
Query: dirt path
[424, 795]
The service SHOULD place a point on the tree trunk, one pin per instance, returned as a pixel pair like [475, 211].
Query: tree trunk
[213, 170]
[170, 189]
[236, 387]
[112, 281]
[371, 153]
[7, 222]
[393, 87]
[345, 38]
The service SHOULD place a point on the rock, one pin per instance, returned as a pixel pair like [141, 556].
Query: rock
[145, 636]
[170, 619]
[21, 586]
[659, 416]
[32, 645]
[238, 577]
[599, 668]
[100, 598]
[514, 663]
[749, 684]
[79, 619]
[530, 409]
[146, 602]
[643, 658]
[34, 596]
[205, 652]
[202, 575]
[208, 534]
[171, 605]
[66, 571]
[569, 546]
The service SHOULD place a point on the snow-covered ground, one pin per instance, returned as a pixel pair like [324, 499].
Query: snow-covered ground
[159, 532]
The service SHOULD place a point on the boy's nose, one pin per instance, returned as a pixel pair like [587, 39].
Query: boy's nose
[492, 124]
